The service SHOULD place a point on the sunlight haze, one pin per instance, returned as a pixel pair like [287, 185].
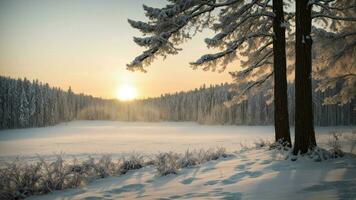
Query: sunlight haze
[86, 44]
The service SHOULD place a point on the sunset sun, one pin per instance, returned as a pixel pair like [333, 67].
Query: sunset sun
[126, 92]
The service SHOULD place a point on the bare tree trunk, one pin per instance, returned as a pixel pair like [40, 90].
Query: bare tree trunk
[304, 126]
[281, 121]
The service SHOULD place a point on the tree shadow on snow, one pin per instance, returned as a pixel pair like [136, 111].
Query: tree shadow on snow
[289, 174]
[344, 189]
[217, 193]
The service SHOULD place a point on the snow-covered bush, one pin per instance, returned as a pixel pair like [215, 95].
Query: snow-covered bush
[280, 145]
[54, 174]
[18, 180]
[319, 154]
[352, 139]
[78, 174]
[89, 168]
[105, 167]
[281, 150]
[134, 161]
[170, 163]
[188, 159]
[212, 154]
[167, 163]
[262, 143]
[243, 147]
[335, 145]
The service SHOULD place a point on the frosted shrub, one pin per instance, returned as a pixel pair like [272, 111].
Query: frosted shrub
[318, 154]
[212, 154]
[335, 144]
[79, 174]
[280, 145]
[221, 152]
[54, 174]
[105, 167]
[170, 163]
[244, 147]
[135, 161]
[167, 163]
[89, 168]
[188, 159]
[18, 180]
[352, 139]
[262, 143]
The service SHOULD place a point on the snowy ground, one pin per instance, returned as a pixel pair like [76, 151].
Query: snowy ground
[98, 137]
[82, 138]
[249, 174]
[252, 174]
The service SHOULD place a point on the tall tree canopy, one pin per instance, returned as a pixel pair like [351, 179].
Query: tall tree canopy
[244, 30]
[335, 49]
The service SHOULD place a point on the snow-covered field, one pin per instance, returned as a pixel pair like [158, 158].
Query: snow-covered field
[99, 137]
[82, 138]
[249, 174]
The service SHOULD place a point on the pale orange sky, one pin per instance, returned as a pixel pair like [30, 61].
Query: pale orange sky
[86, 44]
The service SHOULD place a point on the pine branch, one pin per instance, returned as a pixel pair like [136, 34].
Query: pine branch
[220, 36]
[329, 8]
[323, 15]
[232, 46]
[255, 84]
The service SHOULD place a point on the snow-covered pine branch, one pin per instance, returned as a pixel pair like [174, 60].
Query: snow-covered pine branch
[227, 30]
[264, 60]
[166, 25]
[142, 26]
[167, 22]
[332, 35]
[325, 5]
[231, 48]
[242, 91]
[334, 50]
[323, 15]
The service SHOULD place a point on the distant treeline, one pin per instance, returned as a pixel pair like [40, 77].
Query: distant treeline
[33, 104]
[206, 105]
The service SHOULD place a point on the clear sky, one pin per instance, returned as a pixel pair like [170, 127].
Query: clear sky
[86, 44]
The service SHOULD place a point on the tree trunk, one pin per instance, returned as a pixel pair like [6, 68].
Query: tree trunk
[281, 121]
[304, 126]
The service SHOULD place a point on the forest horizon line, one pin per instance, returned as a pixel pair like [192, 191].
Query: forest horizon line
[25, 103]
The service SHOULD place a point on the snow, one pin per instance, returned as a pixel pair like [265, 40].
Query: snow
[82, 138]
[249, 174]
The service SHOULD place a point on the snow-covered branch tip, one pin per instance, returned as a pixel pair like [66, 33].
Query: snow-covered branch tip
[231, 48]
[241, 96]
[323, 15]
[325, 5]
[164, 24]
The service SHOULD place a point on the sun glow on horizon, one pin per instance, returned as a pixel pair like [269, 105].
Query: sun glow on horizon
[126, 92]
